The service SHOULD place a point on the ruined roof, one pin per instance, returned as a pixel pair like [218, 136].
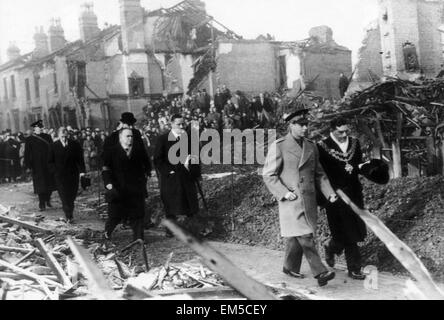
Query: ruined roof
[28, 60]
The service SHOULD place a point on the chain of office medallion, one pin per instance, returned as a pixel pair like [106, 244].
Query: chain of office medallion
[343, 157]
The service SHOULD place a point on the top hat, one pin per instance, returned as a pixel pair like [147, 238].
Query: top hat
[128, 118]
[38, 123]
[299, 116]
[376, 171]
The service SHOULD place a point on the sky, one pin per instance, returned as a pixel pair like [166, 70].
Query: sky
[287, 20]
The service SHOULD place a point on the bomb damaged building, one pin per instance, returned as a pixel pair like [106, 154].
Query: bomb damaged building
[153, 53]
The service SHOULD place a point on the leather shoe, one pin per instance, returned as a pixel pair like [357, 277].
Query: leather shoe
[356, 275]
[329, 257]
[293, 274]
[325, 277]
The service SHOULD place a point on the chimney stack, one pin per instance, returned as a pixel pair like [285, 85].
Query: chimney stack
[41, 43]
[13, 52]
[131, 20]
[88, 22]
[323, 34]
[56, 35]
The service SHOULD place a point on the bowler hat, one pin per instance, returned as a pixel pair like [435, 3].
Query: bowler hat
[376, 171]
[38, 123]
[128, 118]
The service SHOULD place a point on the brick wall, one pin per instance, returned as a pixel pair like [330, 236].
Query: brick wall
[370, 57]
[328, 65]
[249, 66]
[430, 47]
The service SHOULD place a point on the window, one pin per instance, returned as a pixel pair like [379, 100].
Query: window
[28, 90]
[13, 93]
[136, 87]
[5, 86]
[37, 86]
[56, 86]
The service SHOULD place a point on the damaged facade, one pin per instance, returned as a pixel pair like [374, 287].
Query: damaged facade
[255, 66]
[91, 81]
[405, 41]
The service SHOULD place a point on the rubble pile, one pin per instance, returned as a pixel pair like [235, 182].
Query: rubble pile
[412, 208]
[36, 268]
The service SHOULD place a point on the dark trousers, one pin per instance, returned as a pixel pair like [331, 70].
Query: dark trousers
[67, 197]
[131, 209]
[352, 254]
[297, 247]
[44, 198]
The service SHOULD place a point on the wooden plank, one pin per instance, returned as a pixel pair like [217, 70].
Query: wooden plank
[53, 263]
[25, 257]
[98, 285]
[15, 276]
[193, 291]
[24, 224]
[25, 251]
[399, 249]
[29, 274]
[237, 279]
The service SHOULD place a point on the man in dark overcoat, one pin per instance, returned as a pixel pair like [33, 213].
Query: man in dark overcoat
[125, 172]
[178, 188]
[36, 159]
[67, 163]
[341, 157]
[127, 121]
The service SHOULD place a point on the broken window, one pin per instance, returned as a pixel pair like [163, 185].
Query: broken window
[13, 92]
[37, 86]
[136, 87]
[410, 57]
[385, 16]
[28, 90]
[56, 86]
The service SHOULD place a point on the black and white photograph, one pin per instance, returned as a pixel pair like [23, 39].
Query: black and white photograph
[233, 151]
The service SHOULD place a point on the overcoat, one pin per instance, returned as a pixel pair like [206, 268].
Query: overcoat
[178, 189]
[288, 168]
[345, 226]
[66, 165]
[36, 159]
[128, 175]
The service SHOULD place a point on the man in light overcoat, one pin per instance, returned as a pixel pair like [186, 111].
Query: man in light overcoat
[292, 172]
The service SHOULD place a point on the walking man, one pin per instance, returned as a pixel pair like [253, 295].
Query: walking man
[36, 159]
[291, 172]
[178, 189]
[67, 163]
[341, 157]
[125, 172]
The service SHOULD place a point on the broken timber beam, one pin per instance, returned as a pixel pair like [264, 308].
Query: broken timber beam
[24, 224]
[25, 251]
[97, 282]
[53, 263]
[237, 278]
[30, 275]
[399, 249]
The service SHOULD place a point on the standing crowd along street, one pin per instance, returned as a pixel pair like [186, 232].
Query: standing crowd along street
[301, 174]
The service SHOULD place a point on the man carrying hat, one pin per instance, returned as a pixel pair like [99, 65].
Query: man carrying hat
[36, 159]
[341, 157]
[292, 172]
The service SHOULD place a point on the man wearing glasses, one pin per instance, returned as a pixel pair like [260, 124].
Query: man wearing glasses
[292, 172]
[341, 157]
